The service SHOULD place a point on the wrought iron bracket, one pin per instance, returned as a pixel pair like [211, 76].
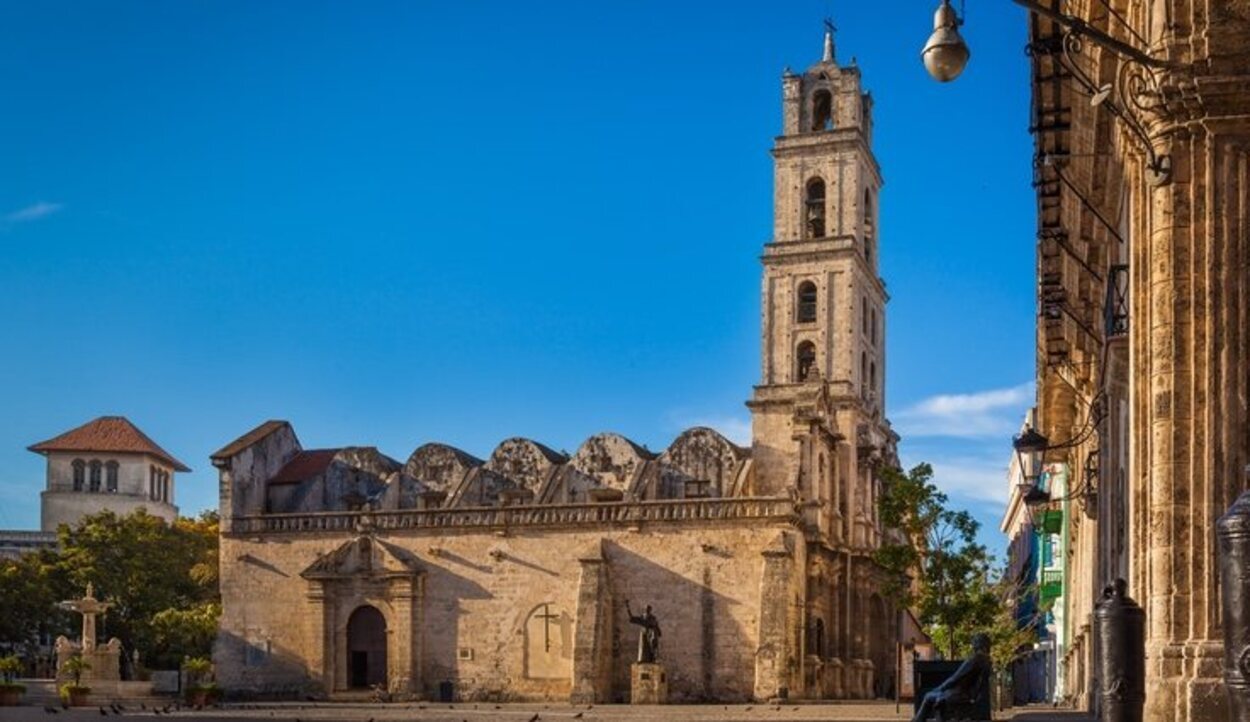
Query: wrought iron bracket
[1132, 97]
[1080, 27]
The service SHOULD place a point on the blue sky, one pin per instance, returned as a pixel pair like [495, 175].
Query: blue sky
[392, 223]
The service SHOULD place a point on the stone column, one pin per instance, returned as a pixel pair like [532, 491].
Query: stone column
[837, 625]
[592, 635]
[773, 652]
[319, 644]
[405, 598]
[1191, 307]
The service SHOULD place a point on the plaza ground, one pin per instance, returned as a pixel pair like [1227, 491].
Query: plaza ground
[487, 712]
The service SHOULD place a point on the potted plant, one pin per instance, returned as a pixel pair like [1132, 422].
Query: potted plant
[74, 694]
[10, 690]
[201, 690]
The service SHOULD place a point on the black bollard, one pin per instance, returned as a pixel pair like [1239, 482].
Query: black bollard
[1122, 654]
[1234, 543]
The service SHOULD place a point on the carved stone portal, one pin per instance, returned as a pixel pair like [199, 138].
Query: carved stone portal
[365, 607]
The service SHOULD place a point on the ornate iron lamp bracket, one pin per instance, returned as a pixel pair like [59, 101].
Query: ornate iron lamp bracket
[1135, 93]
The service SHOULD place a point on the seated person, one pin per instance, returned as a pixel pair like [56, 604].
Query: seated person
[968, 684]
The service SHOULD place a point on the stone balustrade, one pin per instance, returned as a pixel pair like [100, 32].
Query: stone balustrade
[778, 509]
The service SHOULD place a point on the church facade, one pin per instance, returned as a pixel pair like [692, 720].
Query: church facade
[508, 578]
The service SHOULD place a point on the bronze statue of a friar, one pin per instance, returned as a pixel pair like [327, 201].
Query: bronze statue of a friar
[970, 683]
[648, 636]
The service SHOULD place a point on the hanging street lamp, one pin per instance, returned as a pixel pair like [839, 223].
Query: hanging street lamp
[946, 53]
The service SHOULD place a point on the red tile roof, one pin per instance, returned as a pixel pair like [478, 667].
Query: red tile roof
[305, 465]
[111, 434]
[246, 440]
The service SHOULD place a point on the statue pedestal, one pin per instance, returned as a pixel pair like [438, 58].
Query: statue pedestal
[648, 683]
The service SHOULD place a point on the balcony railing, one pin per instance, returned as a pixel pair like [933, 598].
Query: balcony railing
[1051, 586]
[1116, 306]
[1052, 521]
[778, 509]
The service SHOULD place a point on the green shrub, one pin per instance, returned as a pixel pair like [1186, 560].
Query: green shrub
[10, 667]
[74, 667]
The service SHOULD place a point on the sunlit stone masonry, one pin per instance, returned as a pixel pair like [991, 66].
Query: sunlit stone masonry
[452, 577]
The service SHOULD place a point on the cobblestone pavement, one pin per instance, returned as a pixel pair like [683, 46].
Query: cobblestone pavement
[486, 712]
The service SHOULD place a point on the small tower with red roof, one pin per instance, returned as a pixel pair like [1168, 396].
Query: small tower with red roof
[106, 464]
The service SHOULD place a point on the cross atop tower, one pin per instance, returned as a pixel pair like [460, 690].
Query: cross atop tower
[830, 29]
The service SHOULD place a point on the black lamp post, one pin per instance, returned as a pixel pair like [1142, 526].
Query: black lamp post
[1030, 445]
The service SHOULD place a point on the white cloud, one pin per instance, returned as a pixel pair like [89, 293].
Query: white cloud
[973, 478]
[995, 412]
[39, 210]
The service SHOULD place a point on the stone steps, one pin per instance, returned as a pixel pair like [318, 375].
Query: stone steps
[44, 692]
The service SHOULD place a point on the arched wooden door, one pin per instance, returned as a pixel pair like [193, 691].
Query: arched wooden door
[366, 648]
[881, 648]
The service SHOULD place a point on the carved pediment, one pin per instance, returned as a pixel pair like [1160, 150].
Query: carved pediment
[817, 411]
[364, 556]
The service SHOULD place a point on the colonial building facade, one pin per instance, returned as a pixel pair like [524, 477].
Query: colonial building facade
[1143, 189]
[453, 577]
[106, 464]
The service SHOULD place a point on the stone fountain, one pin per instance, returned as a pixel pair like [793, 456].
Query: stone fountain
[105, 660]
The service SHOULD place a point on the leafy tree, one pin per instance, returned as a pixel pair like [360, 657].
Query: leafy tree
[161, 580]
[202, 531]
[30, 587]
[1011, 636]
[178, 633]
[144, 567]
[939, 569]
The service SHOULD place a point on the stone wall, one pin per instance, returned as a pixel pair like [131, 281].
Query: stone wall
[61, 504]
[1153, 195]
[69, 507]
[724, 594]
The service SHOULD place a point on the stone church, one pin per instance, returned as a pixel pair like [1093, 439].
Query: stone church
[452, 577]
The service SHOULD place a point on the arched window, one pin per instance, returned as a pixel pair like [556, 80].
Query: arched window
[152, 483]
[863, 370]
[873, 328]
[817, 646]
[93, 478]
[110, 477]
[80, 474]
[872, 376]
[807, 302]
[870, 228]
[814, 208]
[863, 307]
[844, 503]
[806, 359]
[822, 110]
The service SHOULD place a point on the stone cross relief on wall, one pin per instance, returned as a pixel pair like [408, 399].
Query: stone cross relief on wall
[548, 643]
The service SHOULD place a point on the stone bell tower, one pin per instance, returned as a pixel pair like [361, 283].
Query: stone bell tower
[817, 415]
